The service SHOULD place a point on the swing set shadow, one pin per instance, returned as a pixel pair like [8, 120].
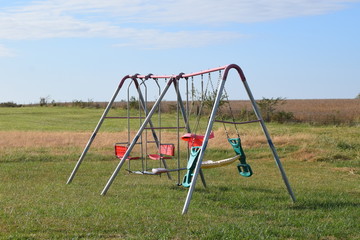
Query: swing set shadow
[197, 143]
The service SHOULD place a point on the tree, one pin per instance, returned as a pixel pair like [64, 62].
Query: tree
[209, 99]
[44, 101]
[133, 102]
[269, 105]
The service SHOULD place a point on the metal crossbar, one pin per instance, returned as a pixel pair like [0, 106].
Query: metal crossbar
[125, 117]
[164, 127]
[182, 75]
[237, 123]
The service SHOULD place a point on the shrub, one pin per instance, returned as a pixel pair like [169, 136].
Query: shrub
[44, 101]
[268, 110]
[268, 107]
[134, 103]
[89, 104]
[282, 117]
[10, 104]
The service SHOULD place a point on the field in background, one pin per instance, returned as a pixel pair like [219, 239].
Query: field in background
[39, 147]
[318, 111]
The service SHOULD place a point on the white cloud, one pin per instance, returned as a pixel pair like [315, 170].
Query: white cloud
[190, 11]
[153, 39]
[237, 11]
[146, 23]
[6, 52]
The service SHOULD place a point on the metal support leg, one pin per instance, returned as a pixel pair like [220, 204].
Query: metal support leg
[182, 108]
[93, 135]
[271, 145]
[202, 178]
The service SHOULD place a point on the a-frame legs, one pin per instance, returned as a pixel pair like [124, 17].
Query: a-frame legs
[209, 127]
[271, 145]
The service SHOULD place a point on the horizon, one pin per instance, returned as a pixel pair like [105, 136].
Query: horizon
[49, 102]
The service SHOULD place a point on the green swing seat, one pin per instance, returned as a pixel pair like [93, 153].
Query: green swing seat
[243, 168]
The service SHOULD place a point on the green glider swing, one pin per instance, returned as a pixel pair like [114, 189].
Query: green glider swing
[243, 168]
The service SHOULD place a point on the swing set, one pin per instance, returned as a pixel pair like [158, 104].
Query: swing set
[196, 143]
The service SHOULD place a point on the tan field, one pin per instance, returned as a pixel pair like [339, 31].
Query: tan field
[316, 110]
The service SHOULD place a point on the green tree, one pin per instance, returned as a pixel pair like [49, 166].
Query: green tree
[44, 101]
[209, 100]
[134, 103]
[268, 107]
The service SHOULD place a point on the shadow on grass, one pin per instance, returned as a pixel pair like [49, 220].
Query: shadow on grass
[260, 190]
[324, 205]
[223, 189]
[180, 188]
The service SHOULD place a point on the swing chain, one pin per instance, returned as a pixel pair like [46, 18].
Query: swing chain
[203, 94]
[231, 111]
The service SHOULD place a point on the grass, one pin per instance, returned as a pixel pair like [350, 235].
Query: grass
[48, 119]
[37, 204]
[322, 163]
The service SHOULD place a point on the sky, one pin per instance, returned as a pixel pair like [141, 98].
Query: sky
[68, 50]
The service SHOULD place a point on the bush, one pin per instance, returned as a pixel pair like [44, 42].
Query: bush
[10, 104]
[282, 117]
[134, 103]
[268, 110]
[268, 107]
[89, 104]
[44, 101]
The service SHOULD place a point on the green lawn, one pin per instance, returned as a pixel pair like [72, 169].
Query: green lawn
[35, 203]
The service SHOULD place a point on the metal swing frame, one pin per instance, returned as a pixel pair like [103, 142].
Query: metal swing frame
[174, 80]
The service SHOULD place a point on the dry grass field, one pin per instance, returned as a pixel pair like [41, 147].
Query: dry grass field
[321, 111]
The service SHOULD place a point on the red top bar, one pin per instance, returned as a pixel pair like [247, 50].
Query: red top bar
[185, 75]
[203, 72]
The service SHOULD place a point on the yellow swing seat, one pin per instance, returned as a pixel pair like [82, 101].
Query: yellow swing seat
[219, 163]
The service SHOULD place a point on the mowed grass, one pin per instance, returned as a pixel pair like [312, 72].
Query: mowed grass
[322, 164]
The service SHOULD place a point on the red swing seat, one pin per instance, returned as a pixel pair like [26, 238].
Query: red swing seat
[195, 140]
[120, 151]
[167, 151]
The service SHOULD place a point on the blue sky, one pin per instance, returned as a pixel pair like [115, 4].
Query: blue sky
[80, 49]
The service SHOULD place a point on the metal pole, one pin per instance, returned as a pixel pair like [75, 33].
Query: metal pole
[93, 135]
[159, 124]
[143, 102]
[181, 105]
[178, 129]
[271, 145]
[128, 119]
[131, 146]
[186, 120]
[158, 141]
[187, 75]
[140, 122]
[205, 142]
